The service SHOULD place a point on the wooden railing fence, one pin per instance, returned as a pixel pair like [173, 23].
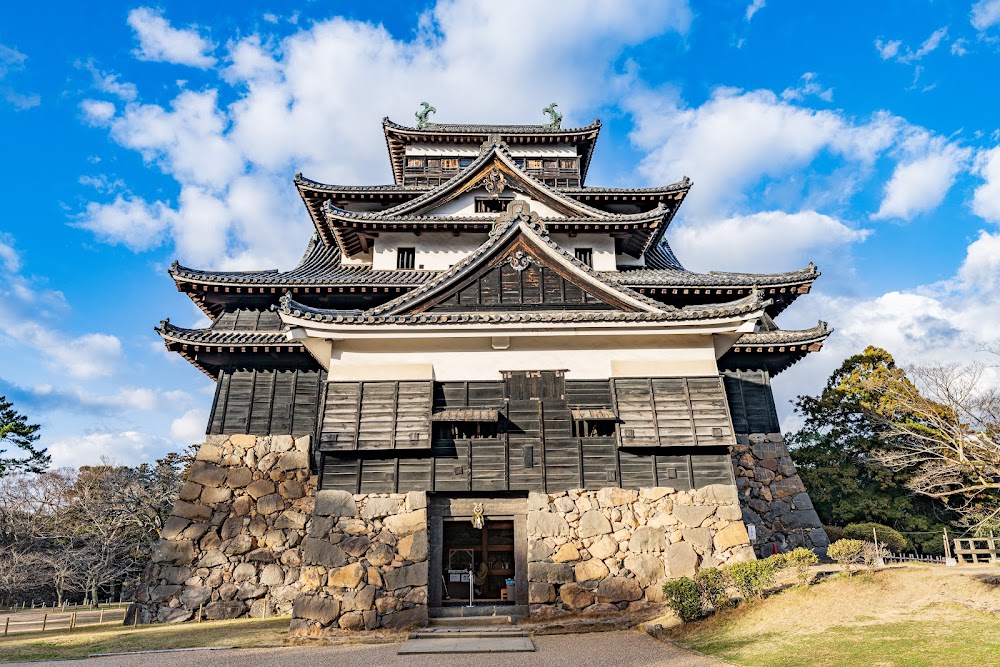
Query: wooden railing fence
[975, 550]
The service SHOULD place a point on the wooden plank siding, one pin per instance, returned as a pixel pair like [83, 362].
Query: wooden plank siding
[537, 287]
[672, 412]
[266, 401]
[371, 416]
[751, 402]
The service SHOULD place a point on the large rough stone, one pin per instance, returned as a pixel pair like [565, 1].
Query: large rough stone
[192, 511]
[209, 452]
[173, 615]
[316, 608]
[381, 555]
[322, 552]
[698, 537]
[291, 519]
[646, 539]
[270, 504]
[566, 553]
[359, 600]
[348, 576]
[553, 573]
[590, 570]
[547, 524]
[239, 477]
[293, 461]
[541, 593]
[379, 507]
[681, 560]
[409, 575]
[575, 596]
[405, 619]
[539, 550]
[413, 547]
[352, 620]
[173, 527]
[805, 518]
[735, 534]
[693, 516]
[618, 589]
[213, 558]
[718, 494]
[647, 568]
[416, 500]
[615, 497]
[239, 545]
[593, 523]
[335, 503]
[606, 547]
[356, 545]
[217, 611]
[406, 523]
[272, 575]
[207, 474]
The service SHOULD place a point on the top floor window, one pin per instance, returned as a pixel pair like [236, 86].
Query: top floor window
[586, 256]
[406, 258]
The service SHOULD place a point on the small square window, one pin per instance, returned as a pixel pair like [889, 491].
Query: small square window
[585, 256]
[449, 163]
[415, 162]
[406, 258]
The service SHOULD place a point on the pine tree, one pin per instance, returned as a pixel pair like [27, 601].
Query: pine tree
[17, 432]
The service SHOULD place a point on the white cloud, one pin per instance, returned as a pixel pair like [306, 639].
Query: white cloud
[929, 45]
[986, 200]
[888, 50]
[920, 185]
[958, 47]
[127, 220]
[97, 113]
[107, 82]
[12, 60]
[124, 448]
[754, 7]
[985, 14]
[233, 162]
[737, 138]
[161, 42]
[765, 241]
[809, 86]
[10, 259]
[77, 398]
[189, 427]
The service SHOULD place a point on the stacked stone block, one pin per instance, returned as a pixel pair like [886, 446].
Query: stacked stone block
[603, 551]
[773, 498]
[364, 564]
[231, 546]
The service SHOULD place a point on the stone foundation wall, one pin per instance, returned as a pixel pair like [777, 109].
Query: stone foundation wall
[611, 549]
[232, 542]
[773, 498]
[364, 564]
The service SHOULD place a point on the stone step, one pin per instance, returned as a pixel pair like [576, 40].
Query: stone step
[515, 611]
[468, 631]
[470, 621]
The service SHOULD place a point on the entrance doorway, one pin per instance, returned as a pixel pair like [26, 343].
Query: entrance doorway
[488, 552]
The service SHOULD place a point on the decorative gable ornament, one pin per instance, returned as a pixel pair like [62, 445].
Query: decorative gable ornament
[494, 182]
[520, 260]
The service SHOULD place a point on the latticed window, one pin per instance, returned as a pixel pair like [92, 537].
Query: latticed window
[586, 256]
[415, 162]
[406, 258]
[449, 163]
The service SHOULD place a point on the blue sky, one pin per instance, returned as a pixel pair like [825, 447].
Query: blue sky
[860, 136]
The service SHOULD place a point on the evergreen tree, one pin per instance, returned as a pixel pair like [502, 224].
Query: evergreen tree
[833, 451]
[15, 430]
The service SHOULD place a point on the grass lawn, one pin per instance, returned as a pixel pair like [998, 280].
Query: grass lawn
[115, 638]
[912, 618]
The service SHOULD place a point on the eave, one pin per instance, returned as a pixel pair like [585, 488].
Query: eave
[775, 350]
[190, 343]
[398, 136]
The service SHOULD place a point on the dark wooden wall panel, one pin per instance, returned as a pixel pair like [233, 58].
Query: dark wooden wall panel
[751, 401]
[267, 401]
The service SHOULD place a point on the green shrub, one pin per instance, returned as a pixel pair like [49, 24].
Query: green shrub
[682, 595]
[801, 559]
[834, 533]
[847, 553]
[889, 537]
[753, 576]
[712, 586]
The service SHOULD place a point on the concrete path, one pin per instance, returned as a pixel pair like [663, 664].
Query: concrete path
[604, 649]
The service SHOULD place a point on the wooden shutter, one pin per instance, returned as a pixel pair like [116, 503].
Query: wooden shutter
[635, 413]
[673, 412]
[377, 416]
[711, 415]
[306, 404]
[340, 418]
[284, 396]
[413, 414]
[263, 395]
[238, 402]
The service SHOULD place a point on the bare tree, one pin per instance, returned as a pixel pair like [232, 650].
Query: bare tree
[945, 428]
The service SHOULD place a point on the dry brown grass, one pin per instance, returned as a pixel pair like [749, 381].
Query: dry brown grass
[899, 616]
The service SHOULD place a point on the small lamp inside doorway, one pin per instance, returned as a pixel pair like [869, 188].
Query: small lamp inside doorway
[478, 521]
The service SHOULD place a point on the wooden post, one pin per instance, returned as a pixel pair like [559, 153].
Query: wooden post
[6, 626]
[45, 618]
[201, 608]
[101, 618]
[947, 547]
[72, 621]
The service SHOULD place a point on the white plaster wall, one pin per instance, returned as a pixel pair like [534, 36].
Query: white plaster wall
[465, 204]
[449, 359]
[435, 251]
[472, 150]
[625, 259]
[603, 246]
[360, 259]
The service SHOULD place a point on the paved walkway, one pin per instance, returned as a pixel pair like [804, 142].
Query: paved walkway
[604, 649]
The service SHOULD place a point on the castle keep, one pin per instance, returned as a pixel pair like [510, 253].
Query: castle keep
[487, 378]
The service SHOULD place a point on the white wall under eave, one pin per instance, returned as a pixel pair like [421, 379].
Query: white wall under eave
[602, 245]
[465, 204]
[456, 359]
